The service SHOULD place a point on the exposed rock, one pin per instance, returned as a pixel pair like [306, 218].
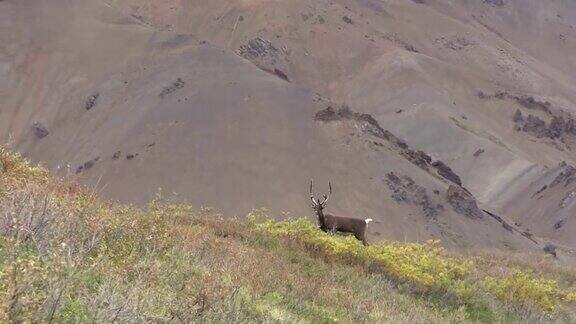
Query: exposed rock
[500, 95]
[347, 20]
[419, 158]
[536, 127]
[496, 3]
[505, 224]
[550, 249]
[518, 118]
[455, 43]
[281, 74]
[178, 84]
[529, 236]
[463, 202]
[40, 130]
[557, 127]
[445, 172]
[410, 48]
[116, 155]
[371, 126]
[306, 16]
[368, 124]
[531, 103]
[405, 190]
[482, 95]
[265, 55]
[91, 101]
[327, 115]
[567, 199]
[527, 102]
[149, 146]
[558, 225]
[259, 50]
[540, 191]
[561, 123]
[478, 152]
[567, 175]
[87, 165]
[395, 38]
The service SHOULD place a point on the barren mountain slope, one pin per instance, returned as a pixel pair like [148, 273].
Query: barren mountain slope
[237, 105]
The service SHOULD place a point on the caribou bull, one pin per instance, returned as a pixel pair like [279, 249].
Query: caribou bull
[330, 223]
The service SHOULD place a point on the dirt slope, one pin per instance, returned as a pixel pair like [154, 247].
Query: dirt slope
[237, 105]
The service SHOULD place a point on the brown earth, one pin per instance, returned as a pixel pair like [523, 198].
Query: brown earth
[224, 104]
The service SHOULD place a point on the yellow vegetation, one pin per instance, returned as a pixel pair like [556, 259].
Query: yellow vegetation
[522, 287]
[67, 257]
[14, 168]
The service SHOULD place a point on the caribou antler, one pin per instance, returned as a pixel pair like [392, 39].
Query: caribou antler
[320, 202]
[312, 195]
[329, 193]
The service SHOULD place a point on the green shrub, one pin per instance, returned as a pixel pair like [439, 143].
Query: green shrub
[14, 167]
[67, 257]
[422, 265]
[522, 288]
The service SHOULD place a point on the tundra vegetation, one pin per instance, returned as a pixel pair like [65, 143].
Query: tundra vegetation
[66, 256]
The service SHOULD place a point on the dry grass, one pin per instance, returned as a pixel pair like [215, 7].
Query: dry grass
[66, 257]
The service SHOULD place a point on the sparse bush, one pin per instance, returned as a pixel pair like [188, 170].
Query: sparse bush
[570, 297]
[421, 265]
[66, 257]
[522, 288]
[13, 167]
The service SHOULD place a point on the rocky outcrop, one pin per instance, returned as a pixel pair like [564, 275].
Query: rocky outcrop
[463, 202]
[557, 128]
[91, 101]
[370, 125]
[535, 126]
[87, 165]
[505, 224]
[419, 158]
[40, 131]
[551, 249]
[568, 199]
[558, 225]
[518, 118]
[560, 123]
[405, 190]
[262, 53]
[178, 84]
[447, 173]
[495, 3]
[565, 177]
[531, 103]
[525, 101]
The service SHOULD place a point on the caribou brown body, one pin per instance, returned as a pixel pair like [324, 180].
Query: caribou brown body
[331, 223]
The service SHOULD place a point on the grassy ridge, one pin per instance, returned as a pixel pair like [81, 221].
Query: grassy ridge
[67, 257]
